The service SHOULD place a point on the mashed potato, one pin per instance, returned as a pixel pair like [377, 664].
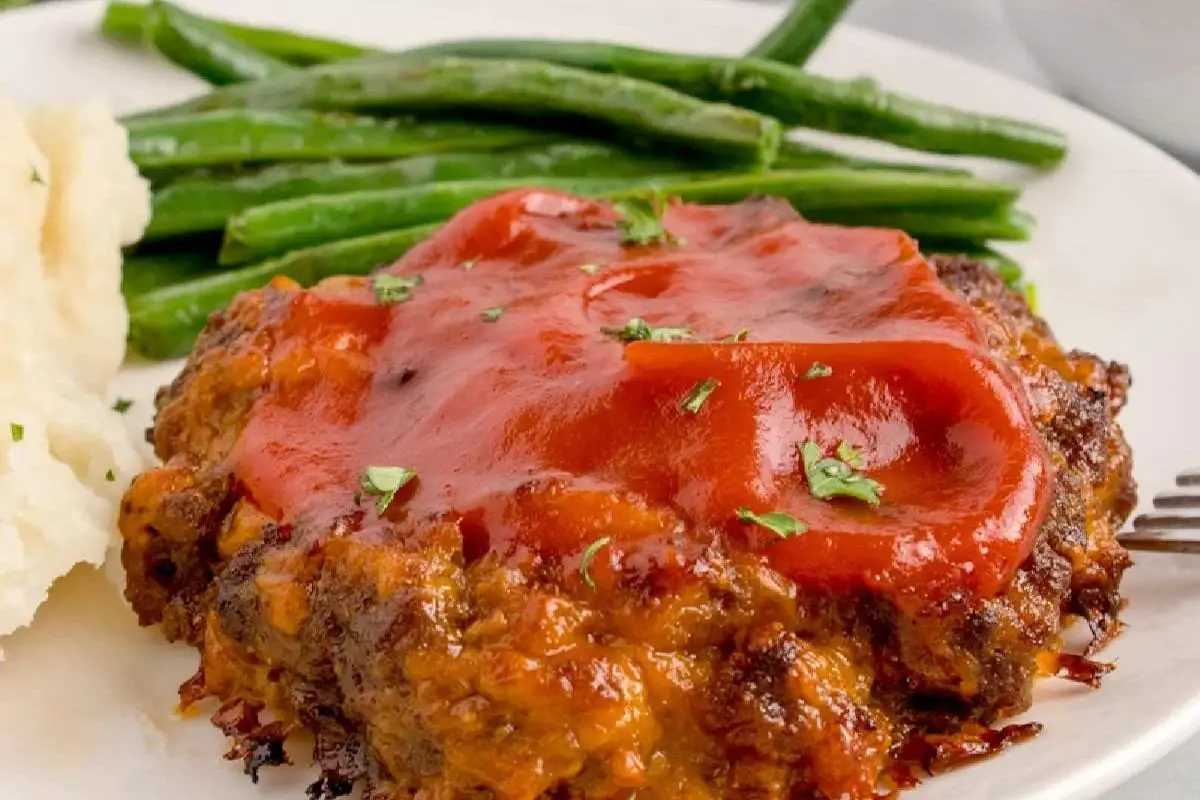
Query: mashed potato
[69, 198]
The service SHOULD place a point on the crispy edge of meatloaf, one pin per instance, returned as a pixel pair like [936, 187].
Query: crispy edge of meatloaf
[421, 674]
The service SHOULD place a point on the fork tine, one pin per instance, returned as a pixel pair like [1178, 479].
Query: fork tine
[1173, 500]
[1157, 544]
[1151, 532]
[1165, 522]
[1190, 478]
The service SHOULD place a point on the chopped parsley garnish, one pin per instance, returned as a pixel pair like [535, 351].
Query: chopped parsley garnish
[492, 314]
[110, 476]
[586, 562]
[740, 336]
[779, 523]
[469, 263]
[385, 482]
[1031, 297]
[838, 477]
[638, 330]
[691, 402]
[590, 269]
[818, 370]
[36, 177]
[851, 455]
[394, 288]
[16, 430]
[122, 405]
[642, 221]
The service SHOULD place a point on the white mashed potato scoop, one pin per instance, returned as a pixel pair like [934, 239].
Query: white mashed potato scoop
[69, 200]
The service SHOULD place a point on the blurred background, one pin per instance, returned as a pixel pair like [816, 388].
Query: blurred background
[1129, 60]
[978, 30]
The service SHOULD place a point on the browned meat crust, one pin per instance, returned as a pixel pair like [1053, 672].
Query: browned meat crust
[426, 673]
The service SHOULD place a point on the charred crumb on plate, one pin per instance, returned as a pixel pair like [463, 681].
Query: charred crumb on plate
[254, 744]
[329, 787]
[193, 690]
[1100, 609]
[339, 753]
[937, 753]
[269, 753]
[1081, 669]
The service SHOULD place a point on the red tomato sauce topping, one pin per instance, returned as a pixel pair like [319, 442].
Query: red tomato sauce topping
[539, 433]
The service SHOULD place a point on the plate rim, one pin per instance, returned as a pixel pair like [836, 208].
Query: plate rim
[1135, 755]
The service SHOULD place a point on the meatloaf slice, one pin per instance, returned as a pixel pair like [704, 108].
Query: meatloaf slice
[427, 667]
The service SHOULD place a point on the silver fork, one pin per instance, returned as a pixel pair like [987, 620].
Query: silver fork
[1175, 511]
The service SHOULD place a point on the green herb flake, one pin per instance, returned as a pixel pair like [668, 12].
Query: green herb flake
[818, 370]
[122, 405]
[469, 264]
[779, 523]
[740, 336]
[638, 330]
[590, 269]
[642, 221]
[492, 314]
[394, 288]
[838, 477]
[17, 431]
[586, 562]
[691, 402]
[851, 455]
[385, 482]
[110, 476]
[36, 177]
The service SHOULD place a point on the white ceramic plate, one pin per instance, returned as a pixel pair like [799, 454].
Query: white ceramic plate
[86, 697]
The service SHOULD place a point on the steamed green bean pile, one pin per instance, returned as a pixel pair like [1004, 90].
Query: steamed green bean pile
[311, 157]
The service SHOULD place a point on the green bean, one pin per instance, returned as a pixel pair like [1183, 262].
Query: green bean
[858, 107]
[959, 225]
[269, 230]
[235, 136]
[800, 32]
[164, 323]
[1031, 295]
[275, 228]
[205, 203]
[201, 47]
[1009, 270]
[799, 155]
[143, 273]
[613, 103]
[193, 205]
[795, 155]
[126, 22]
[836, 189]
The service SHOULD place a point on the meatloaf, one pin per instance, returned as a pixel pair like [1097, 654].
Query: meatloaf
[595, 558]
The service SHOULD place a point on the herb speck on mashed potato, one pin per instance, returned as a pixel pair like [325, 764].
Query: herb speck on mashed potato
[69, 200]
